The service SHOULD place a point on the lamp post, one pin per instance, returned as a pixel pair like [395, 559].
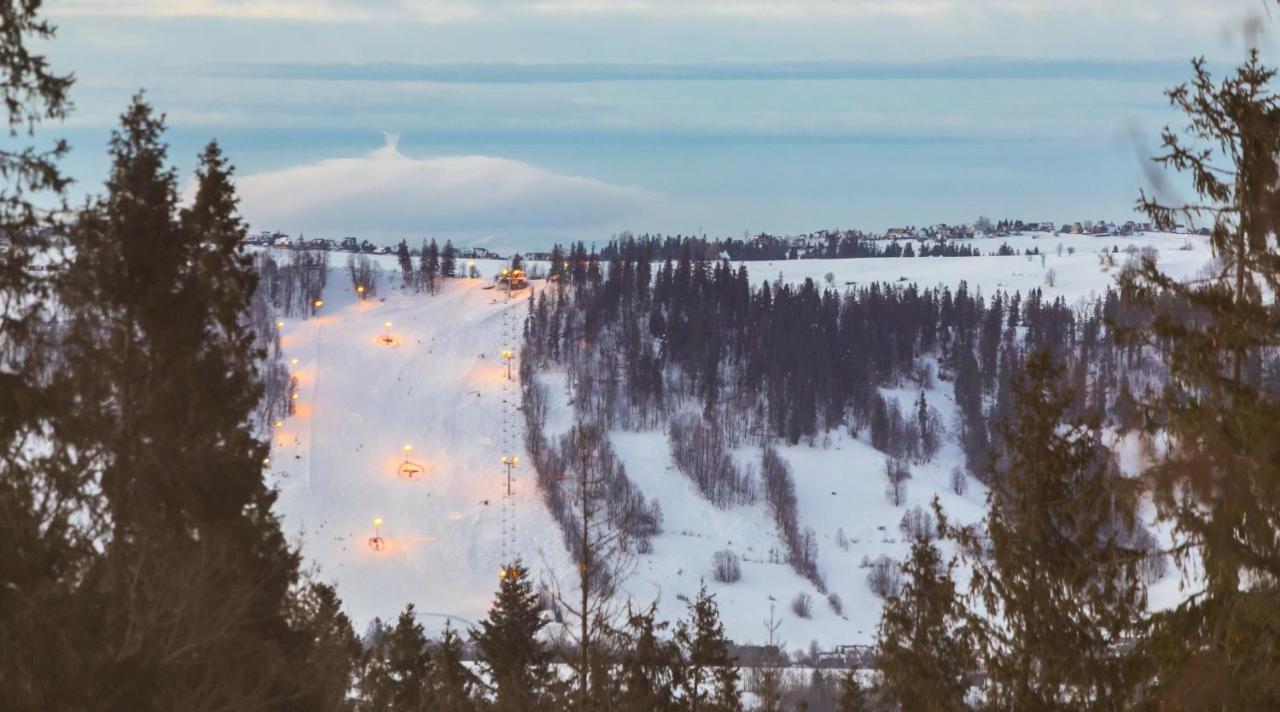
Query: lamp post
[510, 461]
[376, 542]
[386, 336]
[507, 355]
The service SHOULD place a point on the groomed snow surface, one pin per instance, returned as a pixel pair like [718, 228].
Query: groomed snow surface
[441, 388]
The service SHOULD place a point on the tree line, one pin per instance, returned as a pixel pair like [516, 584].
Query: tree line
[142, 566]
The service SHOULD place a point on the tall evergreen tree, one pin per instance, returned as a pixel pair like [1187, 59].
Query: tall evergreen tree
[448, 260]
[648, 665]
[709, 676]
[49, 520]
[453, 684]
[196, 576]
[924, 653]
[429, 265]
[1219, 483]
[334, 652]
[406, 264]
[1058, 583]
[409, 665]
[514, 661]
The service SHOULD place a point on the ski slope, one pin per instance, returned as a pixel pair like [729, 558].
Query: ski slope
[441, 388]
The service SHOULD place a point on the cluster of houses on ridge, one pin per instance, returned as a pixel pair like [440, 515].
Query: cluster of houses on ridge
[267, 238]
[799, 245]
[827, 239]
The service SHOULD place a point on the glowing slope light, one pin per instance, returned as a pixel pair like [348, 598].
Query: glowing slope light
[409, 469]
[376, 542]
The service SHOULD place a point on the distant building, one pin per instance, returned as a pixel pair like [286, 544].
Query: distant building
[477, 253]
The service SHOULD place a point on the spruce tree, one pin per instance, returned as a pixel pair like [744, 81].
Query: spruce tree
[648, 665]
[923, 651]
[1054, 573]
[196, 576]
[709, 677]
[409, 665]
[406, 263]
[334, 651]
[50, 522]
[1219, 481]
[515, 663]
[448, 260]
[453, 683]
[429, 265]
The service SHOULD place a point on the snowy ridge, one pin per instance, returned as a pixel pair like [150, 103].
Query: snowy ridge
[442, 389]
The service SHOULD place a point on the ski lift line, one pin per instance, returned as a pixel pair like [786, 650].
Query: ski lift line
[315, 390]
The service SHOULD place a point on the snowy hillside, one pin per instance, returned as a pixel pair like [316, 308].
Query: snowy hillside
[440, 387]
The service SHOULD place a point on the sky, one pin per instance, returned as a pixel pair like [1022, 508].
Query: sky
[515, 124]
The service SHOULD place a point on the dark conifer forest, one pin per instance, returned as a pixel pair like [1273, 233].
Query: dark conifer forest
[144, 566]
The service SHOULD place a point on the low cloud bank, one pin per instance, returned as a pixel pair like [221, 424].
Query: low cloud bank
[387, 195]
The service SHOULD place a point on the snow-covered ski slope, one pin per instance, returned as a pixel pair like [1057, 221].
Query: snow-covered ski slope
[442, 389]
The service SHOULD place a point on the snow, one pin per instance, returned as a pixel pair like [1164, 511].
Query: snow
[442, 389]
[1078, 276]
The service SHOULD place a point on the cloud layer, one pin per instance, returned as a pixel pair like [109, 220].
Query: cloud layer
[570, 73]
[437, 11]
[385, 195]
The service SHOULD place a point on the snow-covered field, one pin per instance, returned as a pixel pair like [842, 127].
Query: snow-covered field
[442, 389]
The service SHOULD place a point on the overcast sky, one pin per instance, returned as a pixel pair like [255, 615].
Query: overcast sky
[517, 123]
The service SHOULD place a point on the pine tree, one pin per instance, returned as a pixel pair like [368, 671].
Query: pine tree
[334, 651]
[409, 665]
[923, 655]
[709, 677]
[512, 658]
[49, 520]
[448, 260]
[453, 684]
[648, 665]
[406, 263]
[1219, 483]
[429, 265]
[196, 576]
[1054, 573]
